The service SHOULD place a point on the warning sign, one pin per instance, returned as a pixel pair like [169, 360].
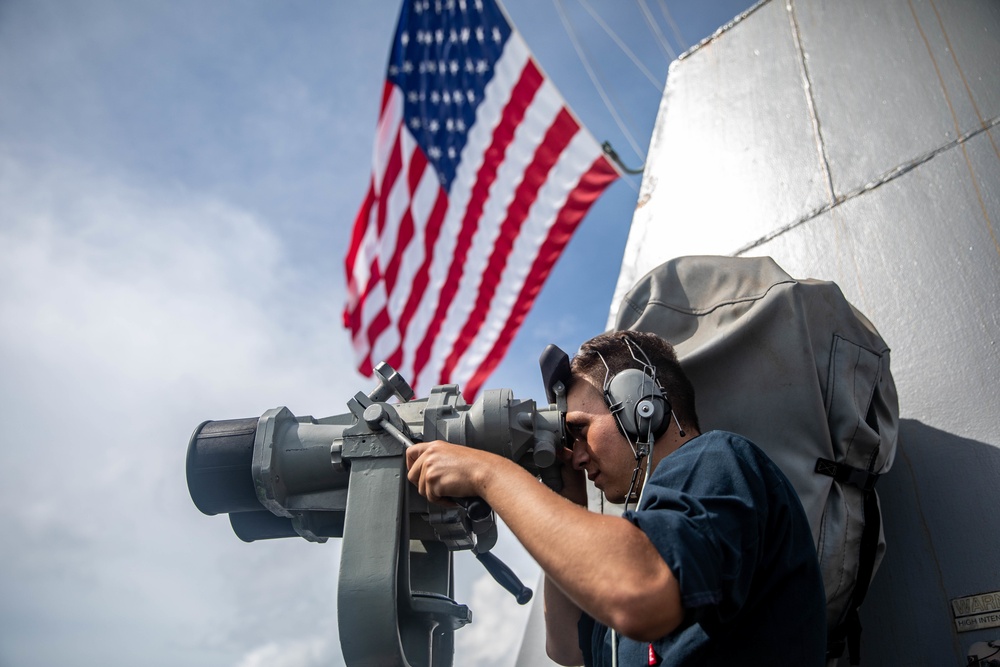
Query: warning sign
[976, 612]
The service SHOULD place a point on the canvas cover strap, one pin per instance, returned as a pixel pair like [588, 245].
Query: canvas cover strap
[846, 474]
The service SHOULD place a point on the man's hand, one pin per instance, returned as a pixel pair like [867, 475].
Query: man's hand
[441, 470]
[617, 575]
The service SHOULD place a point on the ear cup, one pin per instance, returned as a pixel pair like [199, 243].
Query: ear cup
[638, 404]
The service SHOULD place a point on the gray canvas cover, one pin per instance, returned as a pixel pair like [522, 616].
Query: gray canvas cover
[793, 366]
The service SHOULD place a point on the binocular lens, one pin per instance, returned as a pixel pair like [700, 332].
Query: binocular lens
[220, 466]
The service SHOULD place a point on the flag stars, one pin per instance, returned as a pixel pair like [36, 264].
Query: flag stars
[456, 61]
[443, 65]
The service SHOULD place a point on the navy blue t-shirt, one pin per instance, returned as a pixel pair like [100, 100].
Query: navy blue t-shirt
[732, 530]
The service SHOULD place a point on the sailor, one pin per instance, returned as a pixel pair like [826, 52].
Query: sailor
[714, 564]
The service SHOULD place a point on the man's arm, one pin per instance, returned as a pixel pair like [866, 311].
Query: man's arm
[562, 615]
[604, 565]
[561, 618]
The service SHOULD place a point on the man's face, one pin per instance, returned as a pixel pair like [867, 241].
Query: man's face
[599, 448]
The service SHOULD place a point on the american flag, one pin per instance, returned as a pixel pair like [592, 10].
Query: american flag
[480, 175]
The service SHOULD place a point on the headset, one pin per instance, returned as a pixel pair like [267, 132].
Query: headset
[636, 400]
[633, 396]
[639, 405]
[640, 408]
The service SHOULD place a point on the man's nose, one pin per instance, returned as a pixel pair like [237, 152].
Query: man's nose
[580, 455]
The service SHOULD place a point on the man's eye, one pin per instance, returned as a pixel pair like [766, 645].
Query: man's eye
[575, 432]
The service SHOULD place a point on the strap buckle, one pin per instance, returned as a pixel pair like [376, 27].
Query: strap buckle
[845, 474]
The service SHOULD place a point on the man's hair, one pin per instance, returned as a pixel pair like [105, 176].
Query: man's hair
[617, 350]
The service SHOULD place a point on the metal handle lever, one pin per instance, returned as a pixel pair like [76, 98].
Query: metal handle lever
[477, 509]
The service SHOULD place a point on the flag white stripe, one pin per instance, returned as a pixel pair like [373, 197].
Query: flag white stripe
[419, 204]
[412, 258]
[573, 163]
[397, 203]
[538, 117]
[381, 249]
[386, 130]
[496, 95]
[424, 196]
[453, 307]
[360, 272]
[372, 305]
[385, 134]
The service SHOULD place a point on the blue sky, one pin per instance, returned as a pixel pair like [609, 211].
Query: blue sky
[177, 185]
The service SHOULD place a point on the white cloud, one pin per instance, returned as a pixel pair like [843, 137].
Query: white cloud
[131, 313]
[494, 636]
[128, 314]
[310, 652]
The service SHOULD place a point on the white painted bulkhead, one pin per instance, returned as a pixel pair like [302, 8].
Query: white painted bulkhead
[857, 142]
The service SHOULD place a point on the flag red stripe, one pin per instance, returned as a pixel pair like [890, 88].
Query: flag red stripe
[555, 141]
[406, 226]
[441, 248]
[404, 235]
[353, 319]
[357, 234]
[422, 277]
[521, 96]
[352, 309]
[392, 169]
[418, 162]
[402, 240]
[365, 365]
[386, 94]
[597, 178]
[361, 220]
